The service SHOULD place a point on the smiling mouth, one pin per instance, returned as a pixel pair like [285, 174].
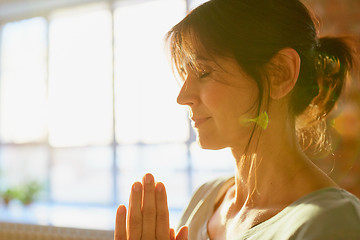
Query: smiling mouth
[199, 121]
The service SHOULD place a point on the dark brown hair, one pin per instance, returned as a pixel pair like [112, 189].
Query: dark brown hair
[253, 31]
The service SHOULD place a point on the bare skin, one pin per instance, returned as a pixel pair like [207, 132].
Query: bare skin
[268, 178]
[282, 172]
[284, 175]
[148, 215]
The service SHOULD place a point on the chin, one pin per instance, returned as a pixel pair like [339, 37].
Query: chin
[210, 145]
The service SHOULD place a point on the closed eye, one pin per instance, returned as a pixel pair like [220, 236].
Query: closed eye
[204, 74]
[182, 72]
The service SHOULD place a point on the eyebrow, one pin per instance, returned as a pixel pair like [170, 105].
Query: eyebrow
[205, 60]
[202, 58]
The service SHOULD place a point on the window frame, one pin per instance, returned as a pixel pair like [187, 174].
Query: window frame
[28, 12]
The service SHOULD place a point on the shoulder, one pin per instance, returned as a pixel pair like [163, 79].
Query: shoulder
[329, 214]
[211, 186]
[202, 199]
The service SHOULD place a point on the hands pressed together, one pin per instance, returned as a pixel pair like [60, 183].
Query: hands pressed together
[148, 215]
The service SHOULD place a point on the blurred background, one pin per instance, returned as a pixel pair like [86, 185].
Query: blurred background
[88, 106]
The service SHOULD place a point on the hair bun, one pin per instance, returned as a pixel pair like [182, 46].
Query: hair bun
[327, 65]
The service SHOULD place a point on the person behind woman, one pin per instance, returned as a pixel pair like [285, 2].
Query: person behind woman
[257, 79]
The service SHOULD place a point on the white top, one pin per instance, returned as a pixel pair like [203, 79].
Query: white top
[326, 214]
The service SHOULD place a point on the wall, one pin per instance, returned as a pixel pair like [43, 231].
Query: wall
[342, 17]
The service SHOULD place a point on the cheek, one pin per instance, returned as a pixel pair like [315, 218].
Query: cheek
[235, 104]
[228, 102]
[213, 97]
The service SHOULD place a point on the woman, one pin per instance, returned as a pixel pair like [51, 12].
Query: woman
[257, 79]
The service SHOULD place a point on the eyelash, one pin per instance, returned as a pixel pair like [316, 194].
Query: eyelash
[182, 72]
[201, 75]
[204, 74]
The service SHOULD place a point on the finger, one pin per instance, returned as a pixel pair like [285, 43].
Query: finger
[172, 234]
[120, 223]
[162, 213]
[148, 208]
[183, 233]
[134, 215]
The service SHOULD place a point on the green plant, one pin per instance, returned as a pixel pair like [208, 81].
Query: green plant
[29, 192]
[26, 193]
[9, 194]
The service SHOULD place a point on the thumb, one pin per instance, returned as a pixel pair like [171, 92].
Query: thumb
[182, 233]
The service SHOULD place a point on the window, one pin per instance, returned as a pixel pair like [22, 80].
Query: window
[23, 102]
[80, 105]
[23, 82]
[80, 78]
[88, 106]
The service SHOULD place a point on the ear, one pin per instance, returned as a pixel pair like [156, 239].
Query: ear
[283, 72]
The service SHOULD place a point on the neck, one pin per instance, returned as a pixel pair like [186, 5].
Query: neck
[267, 173]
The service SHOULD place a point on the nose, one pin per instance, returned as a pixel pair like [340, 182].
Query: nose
[188, 94]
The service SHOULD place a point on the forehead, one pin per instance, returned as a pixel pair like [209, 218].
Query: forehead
[194, 51]
[189, 44]
[196, 55]
[196, 48]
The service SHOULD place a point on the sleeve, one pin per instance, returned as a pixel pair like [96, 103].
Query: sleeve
[196, 198]
[340, 222]
[201, 201]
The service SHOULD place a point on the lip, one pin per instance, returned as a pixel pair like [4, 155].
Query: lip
[199, 121]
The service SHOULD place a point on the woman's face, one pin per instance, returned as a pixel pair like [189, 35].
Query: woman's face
[220, 98]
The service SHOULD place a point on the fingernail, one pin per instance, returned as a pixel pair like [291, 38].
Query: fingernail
[136, 187]
[148, 178]
[121, 210]
[159, 187]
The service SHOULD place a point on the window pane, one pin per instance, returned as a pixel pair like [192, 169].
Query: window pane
[23, 81]
[80, 88]
[21, 165]
[203, 159]
[82, 175]
[168, 163]
[209, 164]
[146, 91]
[194, 3]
